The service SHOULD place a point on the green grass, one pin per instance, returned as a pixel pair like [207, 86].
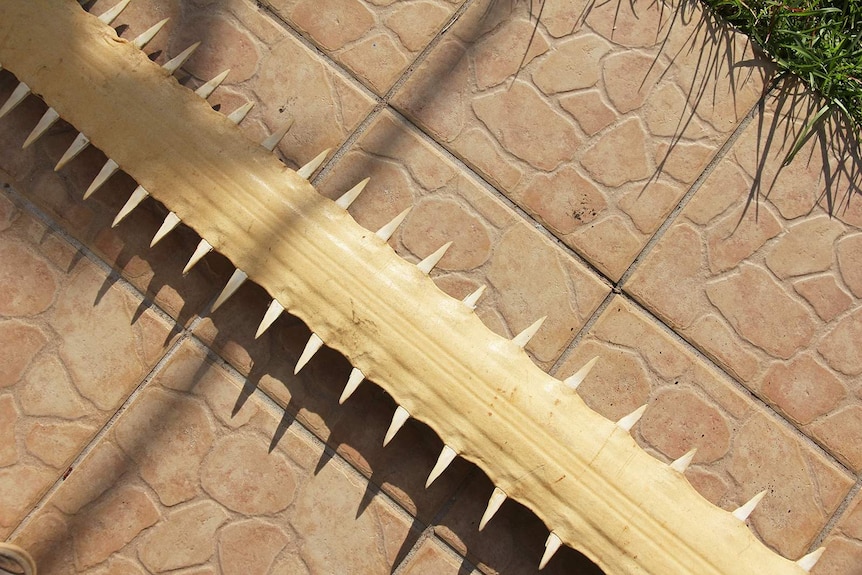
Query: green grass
[820, 41]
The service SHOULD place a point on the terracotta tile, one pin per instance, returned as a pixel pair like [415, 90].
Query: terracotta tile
[844, 544]
[74, 347]
[614, 136]
[376, 41]
[182, 480]
[741, 448]
[492, 245]
[434, 558]
[767, 288]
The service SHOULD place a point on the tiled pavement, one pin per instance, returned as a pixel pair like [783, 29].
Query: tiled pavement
[624, 177]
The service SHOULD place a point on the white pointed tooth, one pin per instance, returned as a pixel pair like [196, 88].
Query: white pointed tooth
[313, 346]
[208, 88]
[353, 382]
[171, 221]
[309, 168]
[627, 422]
[494, 504]
[578, 378]
[144, 39]
[551, 546]
[744, 511]
[177, 61]
[426, 265]
[203, 249]
[683, 462]
[48, 119]
[240, 113]
[237, 279]
[272, 141]
[20, 92]
[110, 14]
[523, 338]
[350, 195]
[274, 310]
[386, 231]
[809, 561]
[470, 300]
[447, 456]
[138, 196]
[108, 170]
[79, 144]
[398, 420]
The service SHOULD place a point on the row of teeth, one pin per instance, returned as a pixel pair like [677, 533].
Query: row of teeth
[275, 309]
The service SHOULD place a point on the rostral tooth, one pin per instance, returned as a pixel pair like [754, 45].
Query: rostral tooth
[313, 346]
[447, 456]
[743, 511]
[494, 504]
[627, 422]
[552, 545]
[236, 280]
[399, 418]
[684, 461]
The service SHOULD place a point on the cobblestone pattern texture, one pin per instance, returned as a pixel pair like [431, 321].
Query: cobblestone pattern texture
[140, 433]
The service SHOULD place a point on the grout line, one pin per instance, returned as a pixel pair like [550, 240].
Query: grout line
[736, 384]
[836, 516]
[184, 334]
[686, 198]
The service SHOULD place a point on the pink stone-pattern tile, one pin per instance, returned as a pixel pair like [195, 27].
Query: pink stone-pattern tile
[843, 554]
[771, 289]
[181, 480]
[375, 40]
[269, 68]
[601, 125]
[527, 276]
[434, 558]
[742, 448]
[72, 349]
